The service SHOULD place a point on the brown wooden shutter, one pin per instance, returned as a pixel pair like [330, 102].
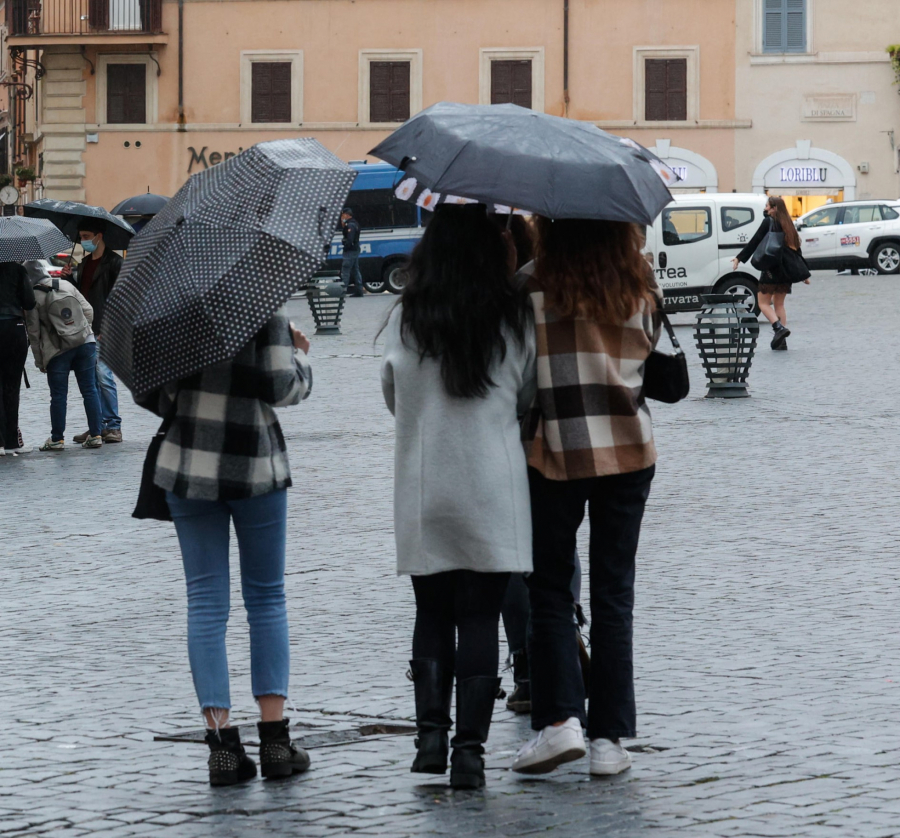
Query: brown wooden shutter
[126, 93]
[511, 82]
[665, 89]
[270, 91]
[389, 91]
[98, 15]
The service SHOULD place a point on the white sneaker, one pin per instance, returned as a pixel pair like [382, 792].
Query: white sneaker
[2, 452]
[551, 748]
[22, 449]
[608, 758]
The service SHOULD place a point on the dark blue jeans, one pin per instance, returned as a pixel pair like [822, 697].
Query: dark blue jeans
[350, 274]
[83, 362]
[616, 507]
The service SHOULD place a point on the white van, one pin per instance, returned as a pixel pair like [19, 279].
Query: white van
[693, 240]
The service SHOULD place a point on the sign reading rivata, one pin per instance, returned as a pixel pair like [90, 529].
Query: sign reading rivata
[199, 158]
[804, 174]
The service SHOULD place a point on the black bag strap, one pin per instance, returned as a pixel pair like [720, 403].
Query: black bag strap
[43, 288]
[55, 283]
[671, 332]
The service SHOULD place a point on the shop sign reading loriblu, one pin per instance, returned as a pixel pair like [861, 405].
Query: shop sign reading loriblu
[201, 158]
[804, 174]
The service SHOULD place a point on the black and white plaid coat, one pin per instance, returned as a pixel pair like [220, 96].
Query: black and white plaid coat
[225, 442]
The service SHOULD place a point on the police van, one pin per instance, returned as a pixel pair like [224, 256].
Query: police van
[692, 242]
[389, 227]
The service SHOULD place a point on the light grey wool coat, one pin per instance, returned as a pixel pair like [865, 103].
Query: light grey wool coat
[461, 498]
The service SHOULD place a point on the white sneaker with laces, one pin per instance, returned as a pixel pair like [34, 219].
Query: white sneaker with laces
[552, 747]
[608, 758]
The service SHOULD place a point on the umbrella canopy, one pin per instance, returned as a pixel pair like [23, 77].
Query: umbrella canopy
[67, 215]
[225, 253]
[28, 238]
[505, 154]
[146, 204]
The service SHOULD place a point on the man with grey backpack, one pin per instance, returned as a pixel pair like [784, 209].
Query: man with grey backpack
[59, 331]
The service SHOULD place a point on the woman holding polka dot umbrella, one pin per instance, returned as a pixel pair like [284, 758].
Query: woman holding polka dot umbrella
[196, 327]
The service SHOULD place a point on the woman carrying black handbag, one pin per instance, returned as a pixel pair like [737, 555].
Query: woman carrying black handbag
[780, 266]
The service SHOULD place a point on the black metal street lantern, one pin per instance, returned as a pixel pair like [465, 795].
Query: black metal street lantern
[326, 294]
[726, 335]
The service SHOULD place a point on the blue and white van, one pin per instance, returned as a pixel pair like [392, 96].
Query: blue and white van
[389, 227]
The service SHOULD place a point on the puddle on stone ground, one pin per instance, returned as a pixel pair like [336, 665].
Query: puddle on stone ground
[316, 739]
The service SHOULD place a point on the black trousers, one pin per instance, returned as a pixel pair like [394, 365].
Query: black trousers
[616, 507]
[466, 602]
[13, 353]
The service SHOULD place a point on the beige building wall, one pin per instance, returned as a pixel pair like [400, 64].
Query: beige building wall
[833, 109]
[450, 43]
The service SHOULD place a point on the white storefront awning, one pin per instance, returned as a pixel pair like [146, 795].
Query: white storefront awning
[805, 170]
[696, 172]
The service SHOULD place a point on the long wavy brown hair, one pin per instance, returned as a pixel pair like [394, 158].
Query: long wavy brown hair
[592, 269]
[783, 217]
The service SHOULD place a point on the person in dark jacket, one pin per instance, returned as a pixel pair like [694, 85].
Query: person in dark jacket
[95, 278]
[350, 242]
[16, 297]
[774, 284]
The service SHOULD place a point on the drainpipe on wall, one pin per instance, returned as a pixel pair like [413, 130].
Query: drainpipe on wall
[181, 125]
[565, 57]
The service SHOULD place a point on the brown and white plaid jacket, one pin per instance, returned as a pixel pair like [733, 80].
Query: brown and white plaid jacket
[589, 418]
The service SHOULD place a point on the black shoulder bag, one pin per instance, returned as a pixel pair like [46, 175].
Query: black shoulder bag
[666, 376]
[768, 252]
[151, 502]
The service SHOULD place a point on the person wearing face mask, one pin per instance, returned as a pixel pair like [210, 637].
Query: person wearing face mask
[94, 277]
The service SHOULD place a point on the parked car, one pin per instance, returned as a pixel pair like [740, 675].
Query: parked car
[854, 235]
[692, 242]
[389, 227]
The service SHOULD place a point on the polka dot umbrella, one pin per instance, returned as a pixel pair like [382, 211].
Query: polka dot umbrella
[222, 256]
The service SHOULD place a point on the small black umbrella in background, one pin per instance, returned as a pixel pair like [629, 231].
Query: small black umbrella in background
[225, 253]
[137, 211]
[22, 239]
[515, 157]
[67, 215]
[146, 204]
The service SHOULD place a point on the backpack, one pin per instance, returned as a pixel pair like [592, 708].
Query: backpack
[64, 313]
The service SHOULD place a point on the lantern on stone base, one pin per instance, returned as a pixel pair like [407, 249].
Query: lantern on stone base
[726, 333]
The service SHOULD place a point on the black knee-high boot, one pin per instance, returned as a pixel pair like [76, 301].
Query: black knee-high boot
[434, 688]
[474, 708]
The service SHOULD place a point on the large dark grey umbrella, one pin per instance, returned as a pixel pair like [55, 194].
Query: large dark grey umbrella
[505, 154]
[29, 238]
[223, 255]
[67, 215]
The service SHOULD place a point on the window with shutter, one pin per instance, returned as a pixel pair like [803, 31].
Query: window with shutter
[126, 94]
[270, 94]
[665, 89]
[511, 82]
[784, 26]
[389, 91]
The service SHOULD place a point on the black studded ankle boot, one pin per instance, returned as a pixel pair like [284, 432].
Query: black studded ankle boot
[278, 756]
[228, 761]
[474, 708]
[433, 683]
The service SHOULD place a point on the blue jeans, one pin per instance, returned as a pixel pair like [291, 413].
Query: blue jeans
[203, 530]
[350, 271]
[83, 361]
[109, 397]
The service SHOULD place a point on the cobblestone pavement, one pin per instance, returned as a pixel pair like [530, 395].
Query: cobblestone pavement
[768, 667]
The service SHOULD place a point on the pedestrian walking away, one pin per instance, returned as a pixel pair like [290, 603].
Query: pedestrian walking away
[95, 277]
[16, 298]
[589, 441]
[776, 281]
[62, 341]
[224, 460]
[457, 372]
[350, 273]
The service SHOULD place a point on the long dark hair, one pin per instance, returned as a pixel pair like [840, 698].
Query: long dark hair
[783, 217]
[459, 296]
[592, 269]
[522, 236]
